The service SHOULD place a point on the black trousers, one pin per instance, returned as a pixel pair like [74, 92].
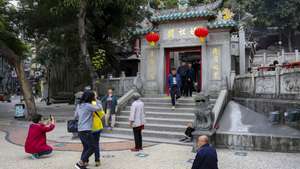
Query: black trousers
[188, 88]
[88, 143]
[137, 132]
[174, 94]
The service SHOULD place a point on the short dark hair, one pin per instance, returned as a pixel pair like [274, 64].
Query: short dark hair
[87, 97]
[173, 69]
[36, 118]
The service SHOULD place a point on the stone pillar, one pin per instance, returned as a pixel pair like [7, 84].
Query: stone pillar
[282, 56]
[265, 59]
[297, 55]
[242, 42]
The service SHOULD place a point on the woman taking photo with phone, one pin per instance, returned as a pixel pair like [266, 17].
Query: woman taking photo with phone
[36, 141]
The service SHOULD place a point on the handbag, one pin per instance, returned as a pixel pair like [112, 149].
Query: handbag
[72, 126]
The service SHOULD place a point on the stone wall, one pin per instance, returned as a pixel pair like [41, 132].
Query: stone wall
[120, 85]
[279, 84]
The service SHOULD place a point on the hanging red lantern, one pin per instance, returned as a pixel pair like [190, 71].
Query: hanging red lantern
[152, 38]
[202, 33]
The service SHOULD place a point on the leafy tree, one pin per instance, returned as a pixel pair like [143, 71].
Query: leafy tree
[14, 49]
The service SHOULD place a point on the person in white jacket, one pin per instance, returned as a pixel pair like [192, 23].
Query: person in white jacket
[137, 121]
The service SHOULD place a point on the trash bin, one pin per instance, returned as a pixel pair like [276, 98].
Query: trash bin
[274, 117]
[19, 111]
[292, 115]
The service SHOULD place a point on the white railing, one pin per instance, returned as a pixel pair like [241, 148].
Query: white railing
[266, 59]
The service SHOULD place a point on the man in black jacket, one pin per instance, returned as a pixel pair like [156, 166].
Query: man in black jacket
[206, 157]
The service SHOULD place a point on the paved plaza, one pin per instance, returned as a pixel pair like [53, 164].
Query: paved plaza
[115, 152]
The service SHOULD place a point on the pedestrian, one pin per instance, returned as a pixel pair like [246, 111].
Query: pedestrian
[96, 130]
[84, 113]
[174, 84]
[188, 133]
[182, 70]
[189, 82]
[137, 121]
[109, 103]
[206, 157]
[36, 141]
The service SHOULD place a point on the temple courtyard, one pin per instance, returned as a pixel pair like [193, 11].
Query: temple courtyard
[115, 152]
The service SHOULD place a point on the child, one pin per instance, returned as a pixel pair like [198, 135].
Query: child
[174, 83]
[188, 133]
[36, 140]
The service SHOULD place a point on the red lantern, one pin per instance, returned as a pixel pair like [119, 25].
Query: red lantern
[202, 33]
[152, 38]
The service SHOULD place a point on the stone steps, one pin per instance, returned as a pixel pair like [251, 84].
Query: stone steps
[182, 115]
[166, 109]
[163, 124]
[158, 120]
[150, 133]
[156, 127]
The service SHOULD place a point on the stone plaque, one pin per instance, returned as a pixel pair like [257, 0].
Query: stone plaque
[151, 65]
[215, 63]
[290, 83]
[265, 85]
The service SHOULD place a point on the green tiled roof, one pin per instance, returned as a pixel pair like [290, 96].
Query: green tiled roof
[181, 15]
[222, 24]
[143, 31]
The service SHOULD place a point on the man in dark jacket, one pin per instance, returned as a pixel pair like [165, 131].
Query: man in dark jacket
[182, 73]
[206, 157]
[174, 84]
[189, 82]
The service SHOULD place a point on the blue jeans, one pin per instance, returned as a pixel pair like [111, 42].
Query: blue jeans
[88, 143]
[96, 136]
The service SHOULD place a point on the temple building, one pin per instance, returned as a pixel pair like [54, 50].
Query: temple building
[213, 59]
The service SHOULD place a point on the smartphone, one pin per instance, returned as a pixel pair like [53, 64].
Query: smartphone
[50, 117]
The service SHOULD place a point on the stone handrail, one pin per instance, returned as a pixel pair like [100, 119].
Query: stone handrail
[219, 106]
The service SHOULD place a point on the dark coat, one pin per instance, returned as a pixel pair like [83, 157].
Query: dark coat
[113, 104]
[182, 71]
[170, 80]
[190, 74]
[206, 158]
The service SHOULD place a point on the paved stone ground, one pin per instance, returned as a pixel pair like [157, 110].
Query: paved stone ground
[160, 156]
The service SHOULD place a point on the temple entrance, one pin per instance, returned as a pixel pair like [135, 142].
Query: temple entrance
[176, 56]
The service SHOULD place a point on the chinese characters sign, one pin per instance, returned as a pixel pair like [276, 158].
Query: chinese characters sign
[180, 30]
[216, 63]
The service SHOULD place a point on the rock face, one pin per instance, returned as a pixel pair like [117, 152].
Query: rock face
[204, 117]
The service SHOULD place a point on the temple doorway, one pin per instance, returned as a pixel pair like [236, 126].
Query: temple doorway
[190, 55]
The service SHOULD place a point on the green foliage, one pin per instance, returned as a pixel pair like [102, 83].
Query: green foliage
[9, 32]
[99, 59]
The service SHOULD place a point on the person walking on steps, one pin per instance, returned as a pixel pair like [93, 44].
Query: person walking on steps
[189, 82]
[109, 103]
[137, 121]
[174, 84]
[182, 70]
[84, 113]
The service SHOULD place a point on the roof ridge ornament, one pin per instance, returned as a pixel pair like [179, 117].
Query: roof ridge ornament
[183, 4]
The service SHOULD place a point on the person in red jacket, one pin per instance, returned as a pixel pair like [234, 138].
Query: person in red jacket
[36, 139]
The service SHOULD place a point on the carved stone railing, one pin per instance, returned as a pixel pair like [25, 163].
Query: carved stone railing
[278, 84]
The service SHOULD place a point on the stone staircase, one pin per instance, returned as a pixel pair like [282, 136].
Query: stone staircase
[162, 123]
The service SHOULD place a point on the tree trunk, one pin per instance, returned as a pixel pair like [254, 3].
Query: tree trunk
[25, 85]
[26, 90]
[83, 42]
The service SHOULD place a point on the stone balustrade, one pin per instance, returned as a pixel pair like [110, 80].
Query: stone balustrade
[283, 83]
